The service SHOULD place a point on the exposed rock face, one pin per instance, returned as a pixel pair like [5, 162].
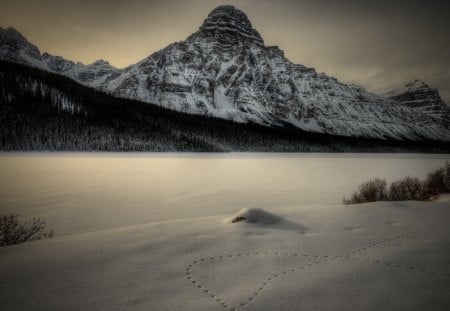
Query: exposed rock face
[57, 63]
[15, 48]
[225, 70]
[422, 98]
[229, 26]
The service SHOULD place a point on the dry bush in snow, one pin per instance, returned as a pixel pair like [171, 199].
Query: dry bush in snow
[369, 191]
[12, 231]
[437, 182]
[408, 188]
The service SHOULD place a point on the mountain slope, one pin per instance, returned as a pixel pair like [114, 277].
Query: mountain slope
[224, 70]
[40, 110]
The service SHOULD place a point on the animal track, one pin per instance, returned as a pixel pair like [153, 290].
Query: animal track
[315, 260]
[400, 266]
[267, 281]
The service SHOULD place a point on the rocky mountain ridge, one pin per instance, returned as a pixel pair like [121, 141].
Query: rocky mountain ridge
[14, 47]
[422, 98]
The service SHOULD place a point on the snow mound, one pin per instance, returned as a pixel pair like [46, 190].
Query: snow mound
[254, 216]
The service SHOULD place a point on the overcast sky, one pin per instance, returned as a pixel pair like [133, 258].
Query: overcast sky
[381, 44]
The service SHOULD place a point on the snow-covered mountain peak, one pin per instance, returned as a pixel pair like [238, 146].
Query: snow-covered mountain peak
[421, 97]
[229, 26]
[416, 84]
[11, 33]
[101, 63]
[417, 88]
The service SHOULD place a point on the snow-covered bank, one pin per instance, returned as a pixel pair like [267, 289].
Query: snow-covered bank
[177, 252]
[390, 256]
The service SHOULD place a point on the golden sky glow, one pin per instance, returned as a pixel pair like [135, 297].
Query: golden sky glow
[378, 44]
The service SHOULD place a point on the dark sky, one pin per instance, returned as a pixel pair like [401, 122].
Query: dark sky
[379, 44]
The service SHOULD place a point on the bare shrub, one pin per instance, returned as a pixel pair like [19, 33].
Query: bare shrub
[369, 191]
[438, 182]
[408, 188]
[12, 231]
[435, 182]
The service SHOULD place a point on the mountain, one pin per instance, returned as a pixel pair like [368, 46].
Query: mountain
[225, 70]
[16, 48]
[422, 98]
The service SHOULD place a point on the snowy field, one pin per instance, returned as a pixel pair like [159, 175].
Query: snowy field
[154, 232]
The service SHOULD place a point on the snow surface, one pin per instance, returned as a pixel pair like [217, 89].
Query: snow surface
[150, 232]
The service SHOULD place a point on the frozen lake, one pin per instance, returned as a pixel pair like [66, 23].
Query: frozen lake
[84, 192]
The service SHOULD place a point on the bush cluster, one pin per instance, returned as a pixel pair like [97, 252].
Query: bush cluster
[408, 188]
[12, 231]
[369, 191]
